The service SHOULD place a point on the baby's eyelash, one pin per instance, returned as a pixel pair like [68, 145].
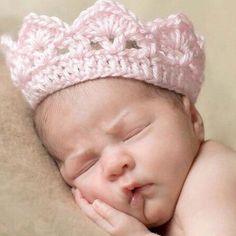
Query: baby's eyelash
[87, 166]
[135, 132]
[132, 133]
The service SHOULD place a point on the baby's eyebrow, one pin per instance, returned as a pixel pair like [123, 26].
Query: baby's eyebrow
[117, 121]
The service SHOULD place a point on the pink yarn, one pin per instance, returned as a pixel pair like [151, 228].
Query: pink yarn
[105, 40]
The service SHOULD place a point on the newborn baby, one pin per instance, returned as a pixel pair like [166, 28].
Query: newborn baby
[141, 150]
[114, 103]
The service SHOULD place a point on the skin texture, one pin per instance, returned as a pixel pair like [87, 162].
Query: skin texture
[156, 143]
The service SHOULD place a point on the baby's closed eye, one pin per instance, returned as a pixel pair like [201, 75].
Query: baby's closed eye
[136, 132]
[79, 165]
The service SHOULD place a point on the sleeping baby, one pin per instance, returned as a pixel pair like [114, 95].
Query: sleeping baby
[114, 105]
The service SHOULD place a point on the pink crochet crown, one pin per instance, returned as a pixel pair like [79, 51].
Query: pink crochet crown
[106, 40]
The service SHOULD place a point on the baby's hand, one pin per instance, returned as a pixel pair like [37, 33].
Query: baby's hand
[115, 222]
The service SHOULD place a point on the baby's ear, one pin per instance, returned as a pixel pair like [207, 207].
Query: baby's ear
[194, 117]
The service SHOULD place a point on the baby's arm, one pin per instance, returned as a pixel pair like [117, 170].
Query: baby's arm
[114, 222]
[211, 195]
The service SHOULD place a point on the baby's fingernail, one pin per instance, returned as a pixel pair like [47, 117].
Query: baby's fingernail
[73, 190]
[96, 202]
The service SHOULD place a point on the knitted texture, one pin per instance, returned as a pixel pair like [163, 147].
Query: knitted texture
[106, 40]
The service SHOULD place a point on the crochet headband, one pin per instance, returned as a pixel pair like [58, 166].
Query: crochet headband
[106, 40]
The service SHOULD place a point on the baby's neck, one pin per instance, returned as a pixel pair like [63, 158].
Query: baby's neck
[174, 225]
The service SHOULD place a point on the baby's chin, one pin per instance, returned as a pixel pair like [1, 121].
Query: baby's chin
[153, 214]
[153, 221]
[150, 214]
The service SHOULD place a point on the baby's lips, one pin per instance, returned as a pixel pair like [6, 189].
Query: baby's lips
[135, 189]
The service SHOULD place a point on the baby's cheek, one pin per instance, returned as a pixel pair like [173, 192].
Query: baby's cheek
[90, 188]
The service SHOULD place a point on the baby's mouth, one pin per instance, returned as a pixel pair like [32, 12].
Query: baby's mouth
[135, 198]
[136, 194]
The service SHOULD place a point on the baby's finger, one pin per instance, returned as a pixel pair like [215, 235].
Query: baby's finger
[76, 193]
[87, 208]
[109, 213]
[93, 215]
[121, 223]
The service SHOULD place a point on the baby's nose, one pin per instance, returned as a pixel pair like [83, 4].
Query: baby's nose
[116, 161]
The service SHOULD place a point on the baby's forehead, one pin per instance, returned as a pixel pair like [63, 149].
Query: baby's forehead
[98, 98]
[90, 107]
[87, 103]
[92, 92]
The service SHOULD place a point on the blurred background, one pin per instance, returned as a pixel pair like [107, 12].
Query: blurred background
[215, 19]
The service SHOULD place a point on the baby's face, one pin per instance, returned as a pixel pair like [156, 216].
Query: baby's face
[127, 149]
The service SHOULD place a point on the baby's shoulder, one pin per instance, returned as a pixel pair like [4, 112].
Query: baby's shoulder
[215, 159]
[212, 147]
[214, 166]
[209, 190]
